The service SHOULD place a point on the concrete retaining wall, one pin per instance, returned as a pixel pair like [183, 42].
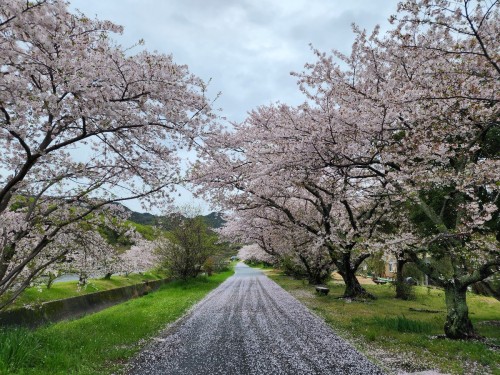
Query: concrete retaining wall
[74, 307]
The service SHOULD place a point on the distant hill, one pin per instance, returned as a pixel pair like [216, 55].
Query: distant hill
[143, 218]
[213, 219]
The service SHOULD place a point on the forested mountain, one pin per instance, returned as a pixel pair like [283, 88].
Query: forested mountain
[167, 222]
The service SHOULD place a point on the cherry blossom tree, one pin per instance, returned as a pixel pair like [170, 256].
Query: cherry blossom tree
[254, 253]
[445, 58]
[276, 163]
[141, 257]
[290, 247]
[435, 81]
[401, 133]
[83, 123]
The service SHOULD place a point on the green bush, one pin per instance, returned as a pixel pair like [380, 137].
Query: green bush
[146, 231]
[258, 264]
[292, 268]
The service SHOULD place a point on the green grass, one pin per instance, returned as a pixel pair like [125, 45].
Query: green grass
[17, 347]
[409, 337]
[399, 324]
[147, 231]
[39, 294]
[102, 342]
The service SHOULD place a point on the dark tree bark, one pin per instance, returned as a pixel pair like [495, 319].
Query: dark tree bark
[402, 288]
[347, 269]
[316, 274]
[458, 325]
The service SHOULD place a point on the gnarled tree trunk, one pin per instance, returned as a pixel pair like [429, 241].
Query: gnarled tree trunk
[458, 325]
[347, 270]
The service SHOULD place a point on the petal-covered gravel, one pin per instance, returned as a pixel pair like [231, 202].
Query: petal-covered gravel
[250, 325]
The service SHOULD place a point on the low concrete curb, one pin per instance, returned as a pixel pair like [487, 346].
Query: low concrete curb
[54, 311]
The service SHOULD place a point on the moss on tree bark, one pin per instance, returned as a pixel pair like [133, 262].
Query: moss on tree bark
[458, 324]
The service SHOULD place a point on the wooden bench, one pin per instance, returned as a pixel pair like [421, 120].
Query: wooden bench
[322, 290]
[381, 281]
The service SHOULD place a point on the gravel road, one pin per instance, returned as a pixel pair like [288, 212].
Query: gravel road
[250, 325]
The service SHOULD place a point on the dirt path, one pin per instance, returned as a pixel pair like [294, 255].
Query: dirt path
[250, 325]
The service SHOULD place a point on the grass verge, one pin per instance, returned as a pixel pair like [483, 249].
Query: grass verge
[103, 342]
[400, 339]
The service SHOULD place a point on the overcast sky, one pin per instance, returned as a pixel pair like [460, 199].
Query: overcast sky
[246, 47]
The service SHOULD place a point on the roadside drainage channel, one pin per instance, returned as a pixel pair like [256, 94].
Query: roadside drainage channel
[74, 307]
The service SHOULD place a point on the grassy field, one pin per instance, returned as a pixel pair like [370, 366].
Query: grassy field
[39, 294]
[400, 339]
[103, 342]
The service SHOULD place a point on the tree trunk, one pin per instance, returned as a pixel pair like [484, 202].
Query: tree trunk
[353, 288]
[82, 280]
[403, 290]
[50, 281]
[458, 325]
[316, 278]
[315, 274]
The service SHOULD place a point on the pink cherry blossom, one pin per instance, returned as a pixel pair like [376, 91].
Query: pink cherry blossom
[83, 123]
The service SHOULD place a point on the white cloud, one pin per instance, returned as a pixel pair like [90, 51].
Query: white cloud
[247, 47]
